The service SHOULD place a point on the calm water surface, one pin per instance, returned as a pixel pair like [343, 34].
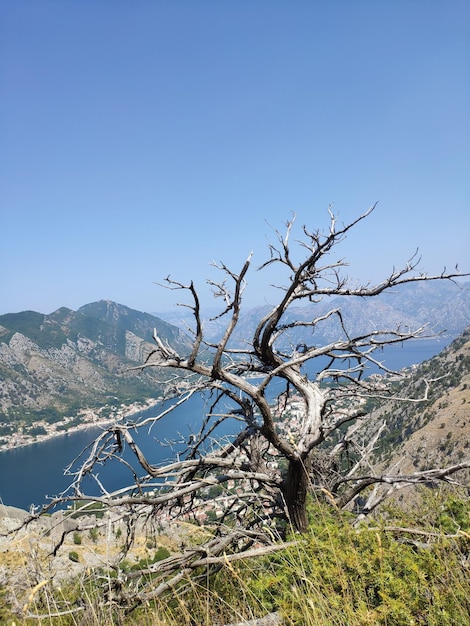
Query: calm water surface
[29, 474]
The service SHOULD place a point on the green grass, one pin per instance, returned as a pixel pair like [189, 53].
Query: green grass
[340, 575]
[402, 569]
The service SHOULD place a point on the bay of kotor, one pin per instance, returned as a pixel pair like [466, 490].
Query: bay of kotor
[31, 474]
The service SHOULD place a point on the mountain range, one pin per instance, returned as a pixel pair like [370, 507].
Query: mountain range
[60, 364]
[442, 306]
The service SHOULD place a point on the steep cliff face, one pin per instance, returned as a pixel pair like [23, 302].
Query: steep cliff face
[57, 364]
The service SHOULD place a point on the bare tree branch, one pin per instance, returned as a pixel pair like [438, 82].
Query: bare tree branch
[293, 432]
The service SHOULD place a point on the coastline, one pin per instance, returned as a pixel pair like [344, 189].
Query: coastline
[91, 419]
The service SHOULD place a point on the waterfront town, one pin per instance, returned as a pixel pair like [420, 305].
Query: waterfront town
[41, 430]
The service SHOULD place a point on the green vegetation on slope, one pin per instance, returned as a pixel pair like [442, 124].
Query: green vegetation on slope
[404, 568]
[350, 576]
[445, 373]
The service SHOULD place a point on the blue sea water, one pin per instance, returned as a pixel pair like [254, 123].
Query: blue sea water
[33, 474]
[30, 474]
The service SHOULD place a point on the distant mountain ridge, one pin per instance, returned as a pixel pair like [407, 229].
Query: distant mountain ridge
[54, 365]
[443, 306]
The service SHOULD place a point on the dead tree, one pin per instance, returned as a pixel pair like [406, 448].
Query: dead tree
[275, 461]
[299, 410]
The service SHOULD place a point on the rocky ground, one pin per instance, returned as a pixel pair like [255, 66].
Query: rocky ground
[54, 549]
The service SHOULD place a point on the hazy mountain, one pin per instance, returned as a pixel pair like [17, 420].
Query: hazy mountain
[56, 364]
[443, 306]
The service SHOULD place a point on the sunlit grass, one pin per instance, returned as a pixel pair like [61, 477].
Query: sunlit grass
[382, 573]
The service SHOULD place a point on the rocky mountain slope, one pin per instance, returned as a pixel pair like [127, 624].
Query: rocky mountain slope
[58, 364]
[434, 433]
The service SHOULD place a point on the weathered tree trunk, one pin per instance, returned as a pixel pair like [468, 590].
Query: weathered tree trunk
[295, 491]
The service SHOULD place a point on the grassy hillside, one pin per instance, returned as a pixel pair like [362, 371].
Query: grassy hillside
[399, 569]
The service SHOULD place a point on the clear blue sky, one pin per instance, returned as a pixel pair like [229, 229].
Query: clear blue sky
[140, 138]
